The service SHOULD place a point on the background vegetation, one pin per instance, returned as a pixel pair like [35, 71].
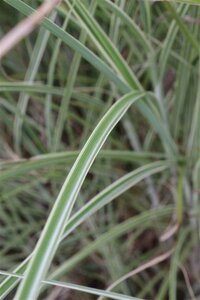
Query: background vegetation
[127, 226]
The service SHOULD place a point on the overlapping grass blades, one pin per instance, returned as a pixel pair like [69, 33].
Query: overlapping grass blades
[100, 200]
[129, 80]
[61, 211]
[147, 54]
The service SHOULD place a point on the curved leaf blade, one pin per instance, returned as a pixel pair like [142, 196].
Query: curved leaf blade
[54, 228]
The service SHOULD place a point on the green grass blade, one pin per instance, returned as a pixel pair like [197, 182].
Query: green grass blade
[169, 40]
[15, 169]
[28, 87]
[76, 287]
[174, 264]
[192, 2]
[30, 75]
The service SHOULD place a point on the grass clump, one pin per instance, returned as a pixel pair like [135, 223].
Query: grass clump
[100, 165]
